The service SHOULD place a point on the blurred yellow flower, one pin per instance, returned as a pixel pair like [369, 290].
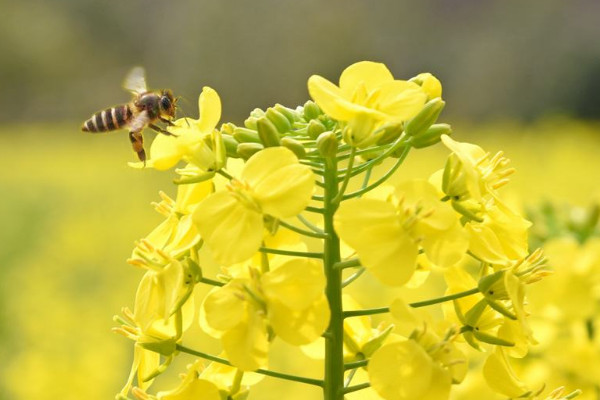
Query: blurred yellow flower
[287, 301]
[273, 183]
[368, 97]
[387, 235]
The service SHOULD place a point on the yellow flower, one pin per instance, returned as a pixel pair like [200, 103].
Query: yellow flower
[500, 376]
[470, 181]
[288, 300]
[273, 183]
[405, 370]
[164, 309]
[190, 143]
[387, 235]
[367, 98]
[430, 84]
[176, 234]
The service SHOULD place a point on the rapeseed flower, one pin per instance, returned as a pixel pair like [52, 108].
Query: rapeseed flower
[388, 235]
[272, 183]
[247, 313]
[367, 98]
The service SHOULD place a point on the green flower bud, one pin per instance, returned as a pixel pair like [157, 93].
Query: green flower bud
[269, 136]
[294, 145]
[228, 128]
[246, 150]
[311, 110]
[244, 135]
[230, 145]
[431, 136]
[327, 144]
[390, 133]
[289, 114]
[250, 123]
[279, 120]
[425, 118]
[315, 128]
[257, 113]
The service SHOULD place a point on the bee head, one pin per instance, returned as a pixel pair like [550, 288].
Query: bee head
[167, 104]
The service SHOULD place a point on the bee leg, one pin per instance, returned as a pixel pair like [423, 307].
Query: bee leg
[137, 142]
[166, 121]
[160, 130]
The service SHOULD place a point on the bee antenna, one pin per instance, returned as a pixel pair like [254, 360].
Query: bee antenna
[185, 118]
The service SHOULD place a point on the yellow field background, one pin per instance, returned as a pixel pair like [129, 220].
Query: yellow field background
[71, 209]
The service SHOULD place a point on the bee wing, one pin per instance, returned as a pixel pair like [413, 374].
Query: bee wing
[136, 81]
[139, 122]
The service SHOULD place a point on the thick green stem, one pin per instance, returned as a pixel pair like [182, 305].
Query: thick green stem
[334, 337]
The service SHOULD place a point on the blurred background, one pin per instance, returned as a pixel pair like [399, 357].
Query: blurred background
[523, 77]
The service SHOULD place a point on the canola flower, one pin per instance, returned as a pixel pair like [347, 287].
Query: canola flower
[292, 208]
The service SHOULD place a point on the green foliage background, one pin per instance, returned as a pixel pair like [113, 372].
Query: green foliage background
[70, 208]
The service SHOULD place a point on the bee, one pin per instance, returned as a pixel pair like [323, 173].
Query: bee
[146, 108]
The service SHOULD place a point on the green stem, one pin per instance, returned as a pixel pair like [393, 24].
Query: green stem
[302, 231]
[444, 298]
[274, 374]
[355, 262]
[437, 300]
[353, 277]
[356, 388]
[309, 224]
[381, 180]
[291, 253]
[211, 282]
[225, 174]
[341, 191]
[315, 210]
[355, 364]
[368, 311]
[334, 336]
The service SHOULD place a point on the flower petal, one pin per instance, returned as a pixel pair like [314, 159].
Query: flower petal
[209, 104]
[299, 327]
[367, 73]
[165, 152]
[224, 308]
[297, 283]
[247, 345]
[231, 230]
[401, 371]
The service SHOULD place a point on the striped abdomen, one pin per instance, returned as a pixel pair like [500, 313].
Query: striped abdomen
[108, 120]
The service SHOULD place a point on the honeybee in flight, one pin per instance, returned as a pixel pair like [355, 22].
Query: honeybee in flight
[144, 110]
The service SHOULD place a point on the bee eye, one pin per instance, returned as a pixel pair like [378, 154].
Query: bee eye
[165, 103]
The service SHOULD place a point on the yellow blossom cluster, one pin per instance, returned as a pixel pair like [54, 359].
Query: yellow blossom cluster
[292, 207]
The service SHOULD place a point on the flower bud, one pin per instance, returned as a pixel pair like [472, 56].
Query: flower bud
[431, 136]
[430, 84]
[289, 114]
[294, 145]
[267, 132]
[250, 123]
[246, 150]
[257, 113]
[279, 120]
[425, 118]
[311, 110]
[244, 135]
[230, 145]
[390, 133]
[327, 144]
[228, 128]
[315, 128]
